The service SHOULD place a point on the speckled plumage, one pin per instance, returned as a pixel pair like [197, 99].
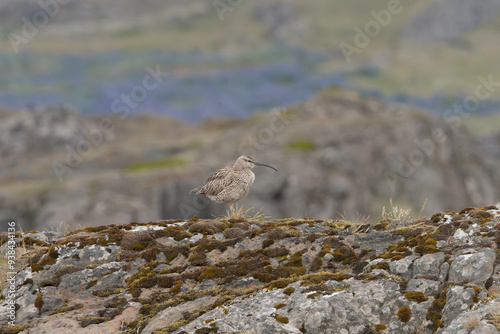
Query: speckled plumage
[230, 184]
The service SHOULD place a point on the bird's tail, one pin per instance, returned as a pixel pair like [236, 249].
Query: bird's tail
[196, 190]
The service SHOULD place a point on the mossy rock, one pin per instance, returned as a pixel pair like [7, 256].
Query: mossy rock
[416, 296]
[404, 314]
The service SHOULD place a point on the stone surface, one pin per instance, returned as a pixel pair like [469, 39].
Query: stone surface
[428, 264]
[458, 300]
[476, 266]
[403, 267]
[327, 276]
[427, 287]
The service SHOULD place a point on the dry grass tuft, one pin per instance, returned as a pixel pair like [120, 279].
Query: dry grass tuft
[356, 219]
[236, 212]
[396, 213]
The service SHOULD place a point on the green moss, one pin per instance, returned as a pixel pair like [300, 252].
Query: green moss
[157, 164]
[381, 265]
[295, 260]
[264, 276]
[87, 321]
[56, 279]
[434, 311]
[318, 259]
[177, 232]
[280, 318]
[380, 327]
[208, 227]
[276, 251]
[13, 329]
[39, 301]
[416, 296]
[280, 305]
[107, 293]
[381, 226]
[29, 241]
[287, 271]
[266, 243]
[49, 259]
[143, 278]
[140, 245]
[404, 314]
[198, 259]
[313, 295]
[28, 281]
[95, 228]
[344, 254]
[211, 273]
[289, 290]
[340, 277]
[301, 145]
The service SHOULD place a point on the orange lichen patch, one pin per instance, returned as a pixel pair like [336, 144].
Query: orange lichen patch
[380, 327]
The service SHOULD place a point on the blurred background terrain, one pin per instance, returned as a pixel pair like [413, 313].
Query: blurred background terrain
[90, 136]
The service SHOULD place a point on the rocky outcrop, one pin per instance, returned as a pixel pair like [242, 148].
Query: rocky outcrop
[431, 275]
[338, 152]
[39, 130]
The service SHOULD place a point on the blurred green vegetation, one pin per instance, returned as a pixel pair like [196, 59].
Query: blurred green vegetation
[157, 164]
[301, 145]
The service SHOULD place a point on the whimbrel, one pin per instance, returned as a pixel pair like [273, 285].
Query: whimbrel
[230, 184]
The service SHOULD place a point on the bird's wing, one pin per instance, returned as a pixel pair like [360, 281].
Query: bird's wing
[218, 181]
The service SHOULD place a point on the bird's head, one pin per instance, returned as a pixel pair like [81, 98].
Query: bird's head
[248, 162]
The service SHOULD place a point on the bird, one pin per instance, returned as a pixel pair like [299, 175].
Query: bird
[228, 185]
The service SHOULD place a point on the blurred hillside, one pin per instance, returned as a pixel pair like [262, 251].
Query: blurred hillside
[186, 84]
[336, 154]
[257, 55]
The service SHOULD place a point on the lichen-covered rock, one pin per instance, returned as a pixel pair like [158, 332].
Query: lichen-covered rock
[282, 276]
[458, 300]
[478, 321]
[472, 266]
[428, 264]
[426, 286]
[403, 267]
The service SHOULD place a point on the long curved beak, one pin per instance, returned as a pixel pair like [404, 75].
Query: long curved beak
[265, 165]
